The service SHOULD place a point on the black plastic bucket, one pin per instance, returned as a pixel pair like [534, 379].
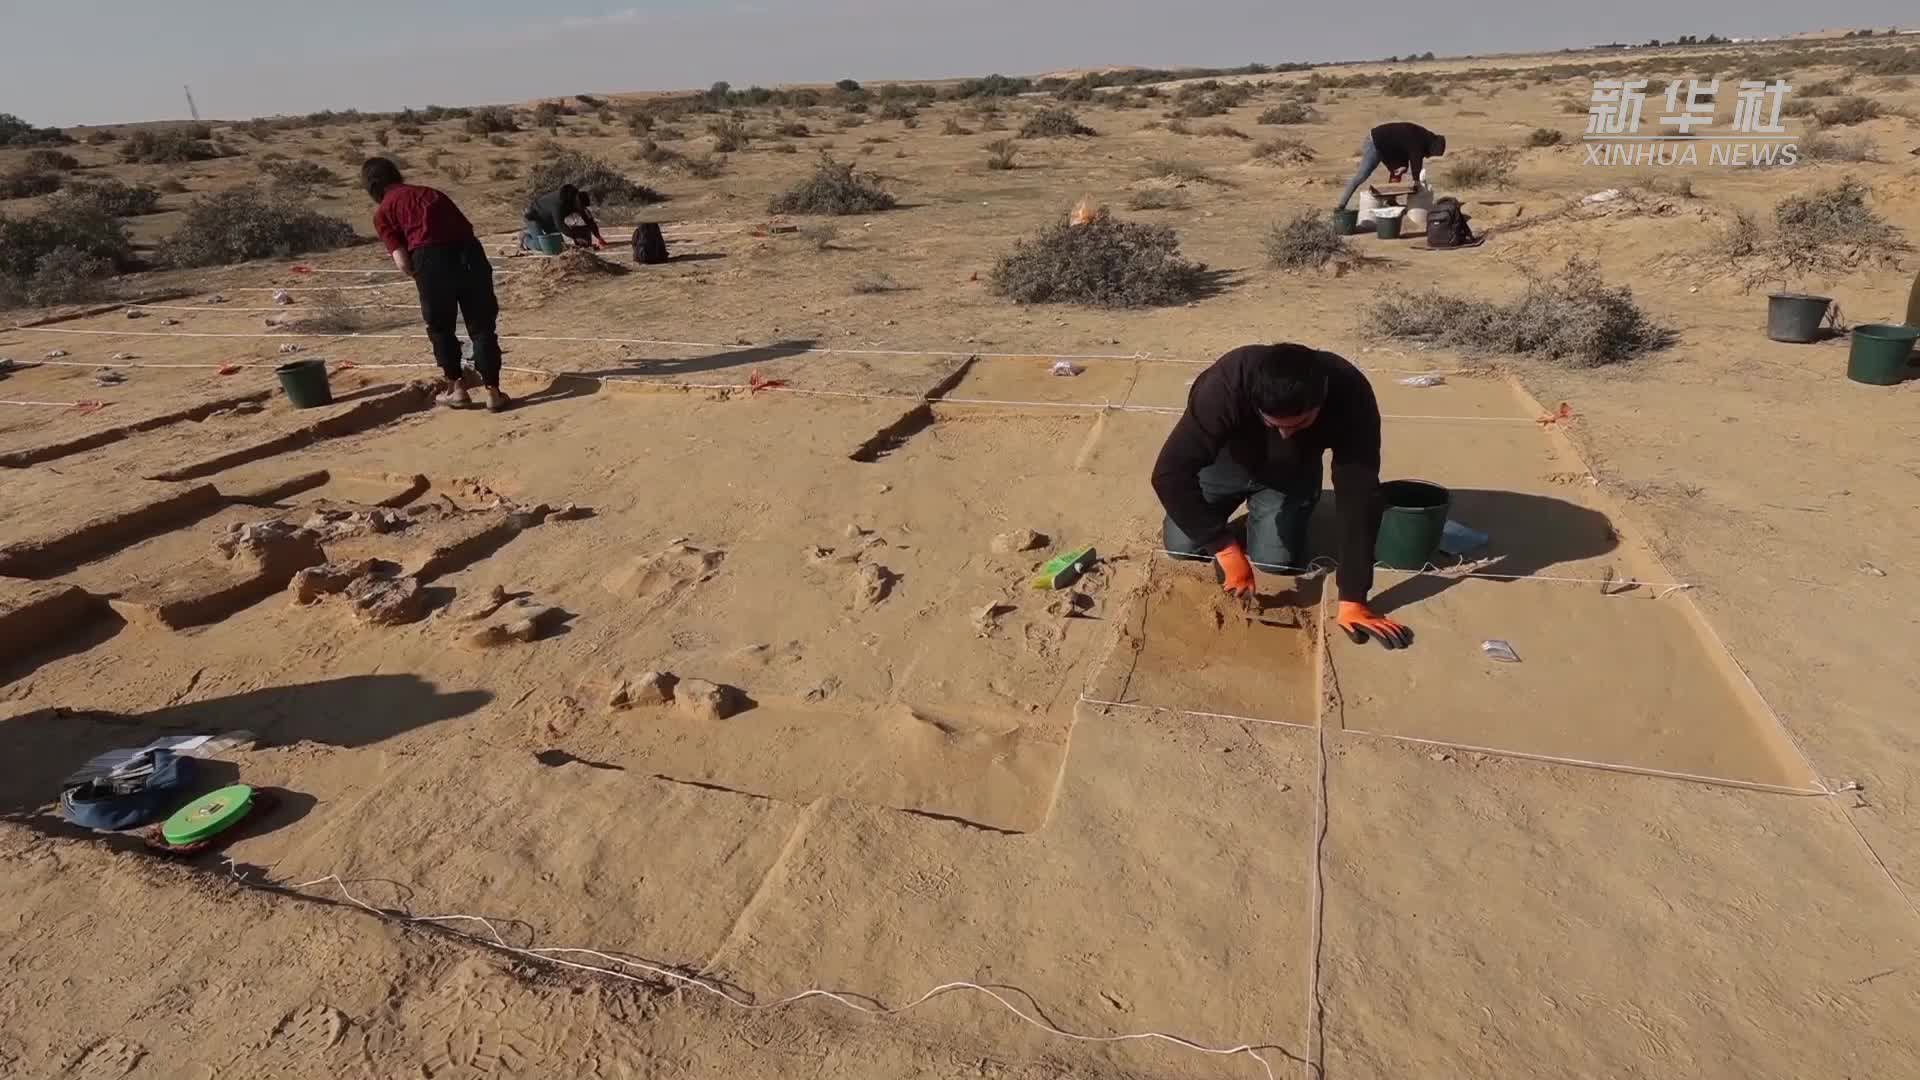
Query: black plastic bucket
[305, 383]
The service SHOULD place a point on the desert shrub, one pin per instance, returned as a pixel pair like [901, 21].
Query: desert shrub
[729, 135]
[1740, 238]
[1001, 154]
[1305, 241]
[299, 175]
[792, 129]
[1823, 88]
[68, 275]
[704, 167]
[329, 313]
[591, 101]
[115, 198]
[783, 148]
[821, 234]
[1809, 229]
[26, 183]
[1104, 262]
[1677, 186]
[1158, 199]
[1289, 112]
[1573, 318]
[1489, 168]
[834, 188]
[457, 171]
[1225, 131]
[1546, 137]
[654, 154]
[1574, 106]
[1199, 109]
[167, 147]
[590, 174]
[503, 172]
[1799, 106]
[1821, 147]
[547, 114]
[491, 119]
[1179, 127]
[1406, 84]
[17, 132]
[245, 223]
[1887, 61]
[1184, 172]
[641, 121]
[1850, 110]
[1283, 152]
[100, 138]
[898, 110]
[953, 127]
[1054, 124]
[25, 241]
[50, 160]
[873, 282]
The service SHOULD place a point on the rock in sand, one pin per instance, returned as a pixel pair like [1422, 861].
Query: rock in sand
[703, 700]
[1008, 543]
[646, 688]
[871, 584]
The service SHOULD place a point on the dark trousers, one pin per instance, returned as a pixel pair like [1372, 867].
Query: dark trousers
[1276, 518]
[457, 280]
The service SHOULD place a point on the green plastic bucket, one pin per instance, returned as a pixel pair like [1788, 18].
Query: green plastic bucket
[1411, 523]
[305, 383]
[1796, 317]
[1881, 353]
[552, 243]
[1387, 227]
[1346, 222]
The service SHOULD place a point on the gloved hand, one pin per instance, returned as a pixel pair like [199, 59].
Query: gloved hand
[599, 243]
[1360, 623]
[1236, 573]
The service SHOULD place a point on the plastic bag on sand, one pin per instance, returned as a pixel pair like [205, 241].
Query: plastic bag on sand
[1065, 367]
[1423, 381]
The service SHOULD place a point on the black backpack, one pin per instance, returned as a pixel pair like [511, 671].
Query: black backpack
[1447, 224]
[649, 244]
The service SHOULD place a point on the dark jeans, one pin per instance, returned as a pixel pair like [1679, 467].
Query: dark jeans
[457, 279]
[1276, 519]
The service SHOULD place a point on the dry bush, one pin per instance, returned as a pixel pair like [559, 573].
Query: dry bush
[595, 176]
[953, 126]
[1680, 187]
[1283, 152]
[17, 132]
[1305, 242]
[783, 148]
[1179, 127]
[491, 119]
[245, 223]
[1799, 106]
[301, 176]
[1158, 199]
[1290, 112]
[1492, 167]
[792, 130]
[1001, 154]
[821, 234]
[173, 146]
[1225, 131]
[1819, 147]
[1546, 137]
[113, 197]
[1576, 107]
[1103, 262]
[834, 188]
[547, 114]
[873, 282]
[68, 275]
[457, 171]
[503, 172]
[26, 183]
[704, 167]
[1054, 124]
[1823, 88]
[1406, 84]
[64, 225]
[328, 313]
[1183, 172]
[99, 138]
[1851, 110]
[1740, 238]
[729, 136]
[1816, 230]
[50, 160]
[1573, 318]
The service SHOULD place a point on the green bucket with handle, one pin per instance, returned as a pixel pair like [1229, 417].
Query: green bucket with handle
[305, 383]
[1882, 353]
[1412, 519]
[1387, 227]
[1346, 222]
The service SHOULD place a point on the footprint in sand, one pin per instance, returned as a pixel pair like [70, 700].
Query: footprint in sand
[108, 1059]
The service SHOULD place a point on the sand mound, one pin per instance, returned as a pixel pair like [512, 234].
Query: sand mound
[543, 276]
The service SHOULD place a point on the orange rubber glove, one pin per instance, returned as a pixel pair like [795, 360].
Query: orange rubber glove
[1360, 623]
[1236, 573]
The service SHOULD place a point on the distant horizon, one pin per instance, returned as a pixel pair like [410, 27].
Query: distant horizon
[369, 57]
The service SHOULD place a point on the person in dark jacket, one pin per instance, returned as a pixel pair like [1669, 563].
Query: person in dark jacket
[1256, 424]
[549, 213]
[1402, 147]
[432, 242]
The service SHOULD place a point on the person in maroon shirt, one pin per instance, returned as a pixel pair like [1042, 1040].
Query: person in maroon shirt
[432, 242]
[1257, 423]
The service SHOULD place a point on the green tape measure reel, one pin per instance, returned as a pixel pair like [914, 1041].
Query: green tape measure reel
[208, 816]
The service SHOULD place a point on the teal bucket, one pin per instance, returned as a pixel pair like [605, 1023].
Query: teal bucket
[1388, 227]
[1412, 521]
[552, 243]
[1882, 353]
[1346, 222]
[305, 383]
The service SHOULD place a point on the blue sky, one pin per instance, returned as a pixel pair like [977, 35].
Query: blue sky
[88, 61]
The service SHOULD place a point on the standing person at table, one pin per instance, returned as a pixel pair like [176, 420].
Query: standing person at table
[549, 214]
[432, 242]
[1402, 147]
[1257, 423]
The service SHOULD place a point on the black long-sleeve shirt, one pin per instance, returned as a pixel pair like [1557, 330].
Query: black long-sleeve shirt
[1221, 423]
[550, 212]
[1403, 145]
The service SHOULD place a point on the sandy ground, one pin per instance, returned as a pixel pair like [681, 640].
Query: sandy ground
[1124, 809]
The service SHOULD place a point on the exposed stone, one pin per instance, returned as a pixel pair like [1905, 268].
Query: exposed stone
[479, 607]
[871, 584]
[646, 688]
[987, 619]
[387, 601]
[276, 549]
[703, 700]
[327, 579]
[516, 620]
[572, 512]
[1008, 543]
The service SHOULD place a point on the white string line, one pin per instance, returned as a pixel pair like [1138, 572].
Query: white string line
[51, 404]
[1325, 564]
[1087, 700]
[1316, 906]
[553, 956]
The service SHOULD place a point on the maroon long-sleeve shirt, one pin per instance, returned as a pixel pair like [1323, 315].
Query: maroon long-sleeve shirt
[1221, 423]
[412, 216]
